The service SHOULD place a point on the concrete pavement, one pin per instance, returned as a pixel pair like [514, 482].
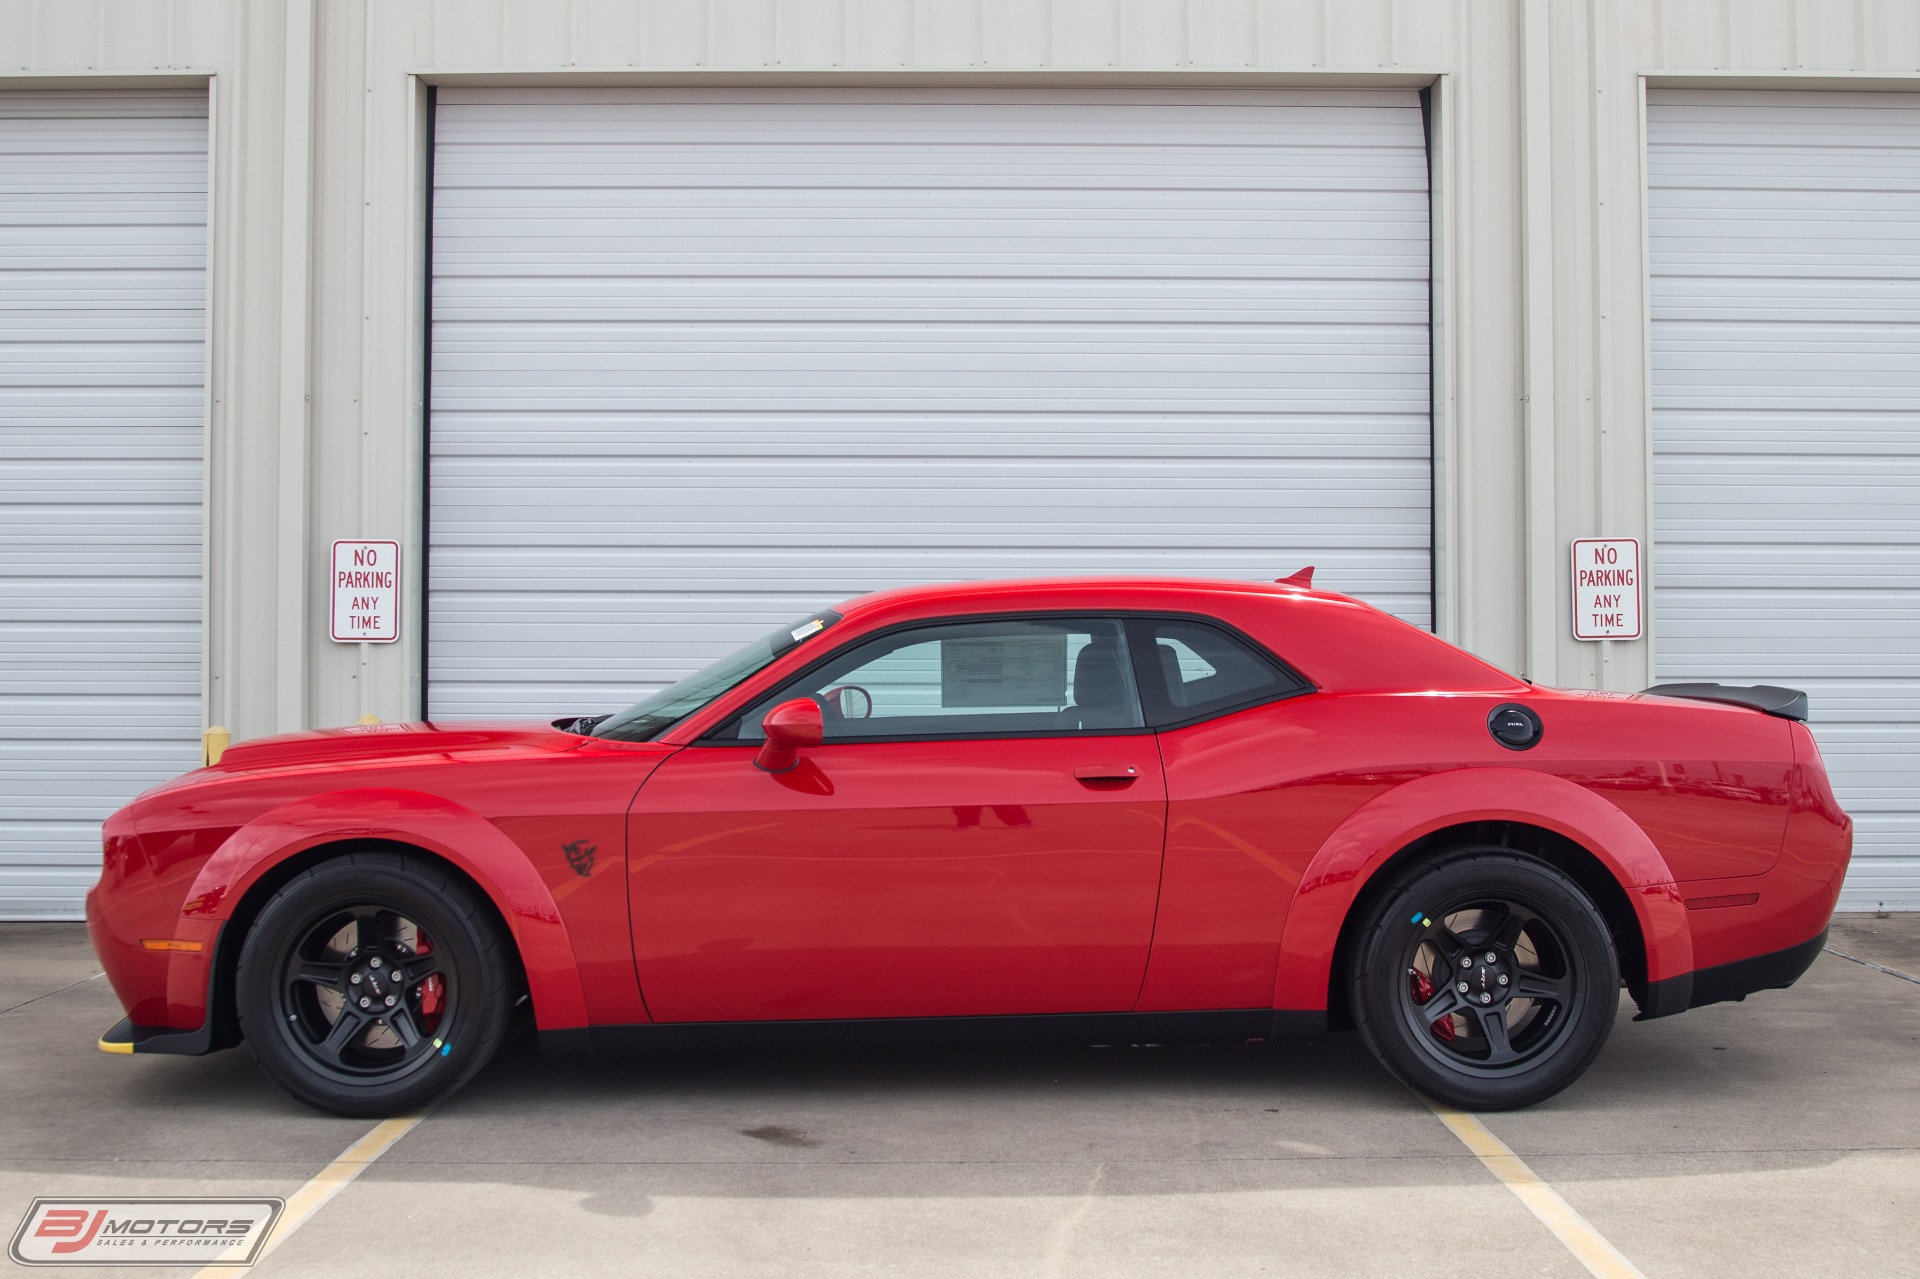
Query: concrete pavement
[1780, 1136]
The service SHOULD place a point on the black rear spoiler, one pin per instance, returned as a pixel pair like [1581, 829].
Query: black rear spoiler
[1787, 703]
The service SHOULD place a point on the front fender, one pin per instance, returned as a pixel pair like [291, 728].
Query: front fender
[1374, 832]
[443, 828]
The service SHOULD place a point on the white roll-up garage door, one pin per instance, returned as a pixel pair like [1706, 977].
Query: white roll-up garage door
[1785, 243]
[704, 361]
[103, 215]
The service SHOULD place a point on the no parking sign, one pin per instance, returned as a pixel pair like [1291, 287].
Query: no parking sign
[365, 587]
[1606, 588]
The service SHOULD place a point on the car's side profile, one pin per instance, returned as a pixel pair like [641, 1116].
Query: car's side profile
[1099, 810]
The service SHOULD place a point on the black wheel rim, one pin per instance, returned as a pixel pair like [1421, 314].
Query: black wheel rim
[365, 992]
[1489, 985]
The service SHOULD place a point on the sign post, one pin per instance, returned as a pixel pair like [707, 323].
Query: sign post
[365, 587]
[1606, 588]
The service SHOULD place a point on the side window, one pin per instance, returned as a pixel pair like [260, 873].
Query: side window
[972, 679]
[1193, 670]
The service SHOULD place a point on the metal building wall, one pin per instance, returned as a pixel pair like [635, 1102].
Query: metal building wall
[319, 130]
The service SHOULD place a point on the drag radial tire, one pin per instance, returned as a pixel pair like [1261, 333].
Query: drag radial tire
[373, 984]
[1484, 978]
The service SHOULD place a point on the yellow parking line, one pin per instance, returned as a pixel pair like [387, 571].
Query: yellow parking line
[1588, 1245]
[327, 1183]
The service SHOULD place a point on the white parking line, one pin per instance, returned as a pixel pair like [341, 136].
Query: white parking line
[1589, 1247]
[327, 1183]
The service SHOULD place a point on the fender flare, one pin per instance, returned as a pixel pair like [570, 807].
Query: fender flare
[441, 827]
[1347, 861]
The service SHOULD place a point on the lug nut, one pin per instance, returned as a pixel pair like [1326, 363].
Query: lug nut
[366, 1003]
[1466, 961]
[375, 961]
[1485, 998]
[1503, 979]
[389, 1001]
[1491, 959]
[355, 979]
[1462, 988]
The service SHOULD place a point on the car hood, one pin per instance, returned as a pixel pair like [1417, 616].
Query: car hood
[385, 743]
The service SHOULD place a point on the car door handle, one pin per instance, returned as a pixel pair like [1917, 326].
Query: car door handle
[1106, 772]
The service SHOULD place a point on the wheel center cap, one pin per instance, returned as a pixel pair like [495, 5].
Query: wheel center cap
[1488, 982]
[373, 977]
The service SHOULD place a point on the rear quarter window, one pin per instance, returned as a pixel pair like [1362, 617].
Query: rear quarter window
[1192, 670]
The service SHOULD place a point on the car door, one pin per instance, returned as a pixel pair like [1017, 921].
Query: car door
[979, 832]
[1247, 807]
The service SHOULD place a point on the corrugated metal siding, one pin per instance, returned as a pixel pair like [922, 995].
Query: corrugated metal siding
[1786, 345]
[103, 211]
[705, 361]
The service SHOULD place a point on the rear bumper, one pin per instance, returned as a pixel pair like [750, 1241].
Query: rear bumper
[1735, 981]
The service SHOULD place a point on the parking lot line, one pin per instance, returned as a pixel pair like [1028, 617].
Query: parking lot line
[326, 1183]
[1588, 1245]
[97, 976]
[1878, 968]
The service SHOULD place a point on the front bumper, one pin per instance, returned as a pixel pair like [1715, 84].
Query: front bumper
[129, 1038]
[217, 1027]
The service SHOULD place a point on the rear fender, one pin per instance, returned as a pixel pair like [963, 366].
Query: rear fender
[1373, 833]
[441, 827]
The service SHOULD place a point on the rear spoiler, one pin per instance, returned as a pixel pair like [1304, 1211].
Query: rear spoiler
[1787, 703]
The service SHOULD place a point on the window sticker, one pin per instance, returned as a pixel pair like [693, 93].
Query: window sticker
[809, 627]
[1004, 671]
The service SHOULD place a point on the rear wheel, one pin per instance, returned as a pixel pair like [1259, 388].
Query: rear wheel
[1485, 979]
[373, 984]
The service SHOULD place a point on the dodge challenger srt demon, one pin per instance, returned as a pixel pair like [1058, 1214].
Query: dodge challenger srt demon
[1095, 811]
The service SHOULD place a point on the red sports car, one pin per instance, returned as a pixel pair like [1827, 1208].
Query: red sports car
[1086, 810]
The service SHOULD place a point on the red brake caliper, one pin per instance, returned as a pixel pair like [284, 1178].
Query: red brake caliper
[432, 993]
[1422, 993]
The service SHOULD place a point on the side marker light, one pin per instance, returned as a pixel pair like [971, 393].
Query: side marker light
[171, 943]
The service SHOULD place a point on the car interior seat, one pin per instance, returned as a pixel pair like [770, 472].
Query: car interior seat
[1170, 672]
[1100, 687]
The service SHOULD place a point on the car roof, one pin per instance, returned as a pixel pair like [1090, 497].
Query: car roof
[1067, 592]
[1334, 640]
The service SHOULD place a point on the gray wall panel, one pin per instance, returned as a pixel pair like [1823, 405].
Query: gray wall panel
[103, 228]
[1785, 244]
[705, 361]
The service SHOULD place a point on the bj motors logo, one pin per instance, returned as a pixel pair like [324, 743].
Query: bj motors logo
[144, 1232]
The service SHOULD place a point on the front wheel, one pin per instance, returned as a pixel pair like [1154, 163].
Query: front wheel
[1485, 979]
[373, 984]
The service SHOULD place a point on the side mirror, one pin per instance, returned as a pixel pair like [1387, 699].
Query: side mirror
[789, 727]
[849, 701]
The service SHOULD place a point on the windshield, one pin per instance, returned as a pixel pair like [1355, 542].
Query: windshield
[644, 721]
